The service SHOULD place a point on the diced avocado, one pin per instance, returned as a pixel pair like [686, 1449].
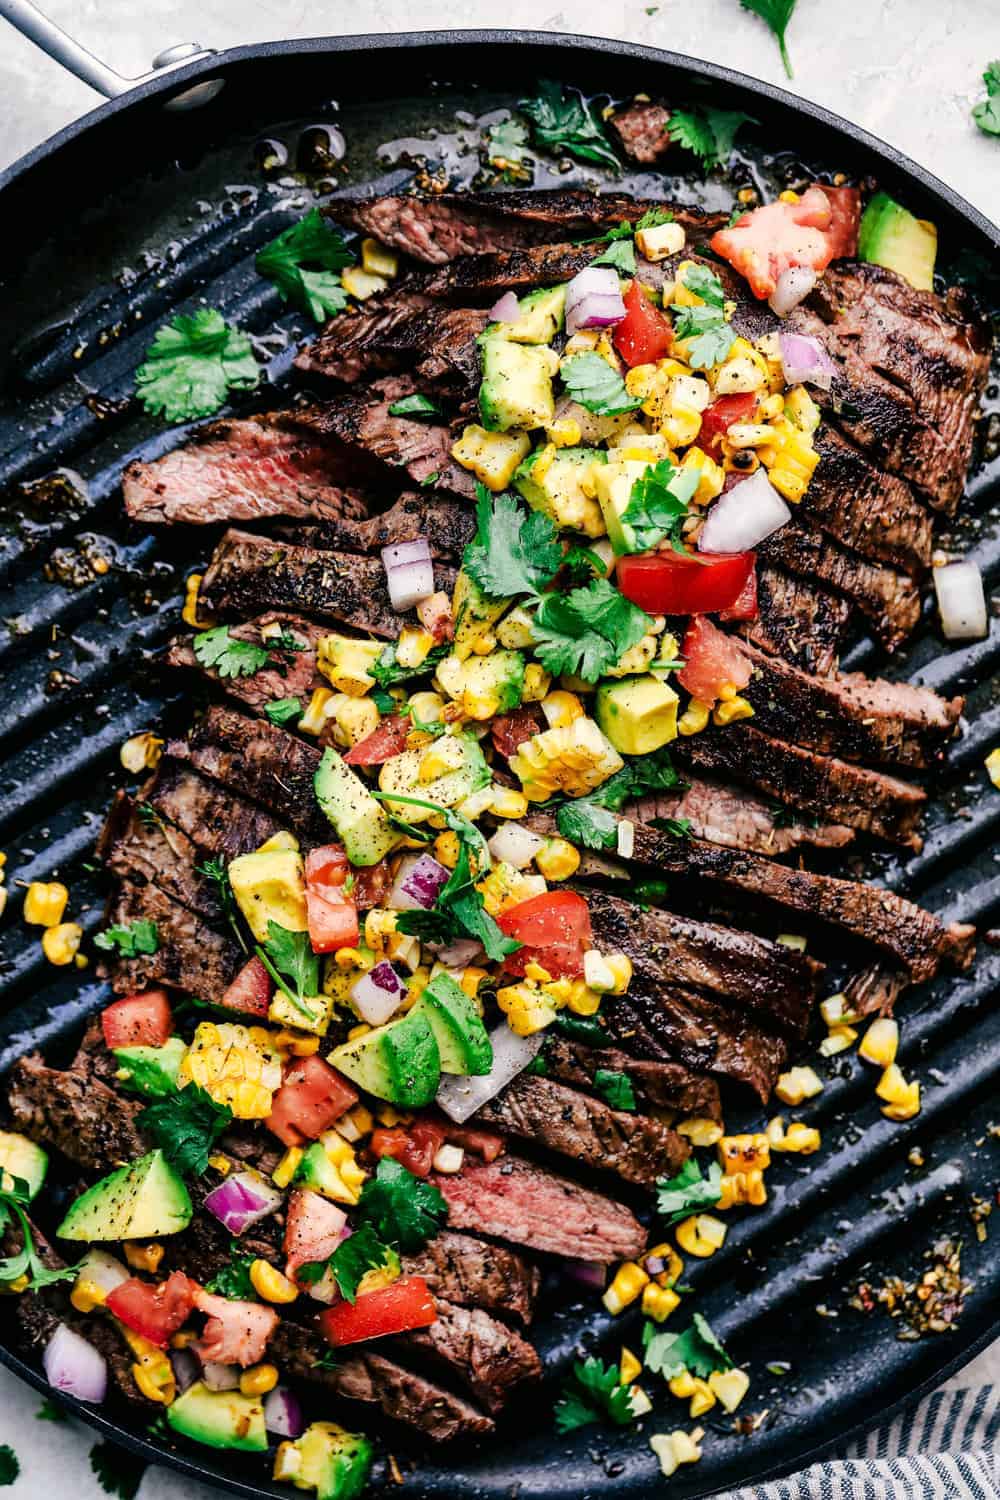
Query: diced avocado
[139, 1201]
[347, 663]
[328, 1459]
[474, 614]
[283, 1011]
[556, 489]
[219, 1419]
[463, 1043]
[540, 317]
[491, 456]
[338, 982]
[402, 774]
[516, 629]
[361, 822]
[484, 685]
[318, 1172]
[890, 236]
[517, 384]
[269, 886]
[151, 1070]
[21, 1158]
[399, 1061]
[637, 714]
[614, 491]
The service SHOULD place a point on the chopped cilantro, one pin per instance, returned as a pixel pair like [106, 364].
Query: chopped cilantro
[415, 407]
[711, 337]
[506, 141]
[402, 1209]
[582, 564]
[709, 133]
[593, 1393]
[705, 283]
[658, 506]
[233, 1281]
[50, 1412]
[588, 825]
[311, 243]
[678, 828]
[678, 1196]
[215, 871]
[615, 1088]
[620, 254]
[185, 1126]
[364, 1251]
[587, 631]
[129, 938]
[226, 654]
[289, 959]
[592, 382]
[383, 701]
[987, 112]
[192, 364]
[563, 121]
[281, 711]
[696, 1350]
[429, 479]
[646, 892]
[387, 671]
[9, 1466]
[326, 1361]
[27, 1262]
[118, 1473]
[654, 217]
[513, 552]
[776, 15]
[588, 820]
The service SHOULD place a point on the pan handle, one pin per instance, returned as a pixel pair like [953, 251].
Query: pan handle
[30, 22]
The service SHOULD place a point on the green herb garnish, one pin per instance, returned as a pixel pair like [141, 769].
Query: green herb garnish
[387, 671]
[129, 939]
[351, 1262]
[696, 1350]
[615, 1088]
[402, 1209]
[592, 382]
[709, 133]
[776, 15]
[415, 407]
[233, 1281]
[185, 1126]
[192, 364]
[593, 1393]
[658, 506]
[678, 1196]
[215, 871]
[562, 120]
[987, 112]
[289, 959]
[281, 711]
[587, 631]
[117, 1473]
[514, 552]
[620, 254]
[303, 261]
[14, 1201]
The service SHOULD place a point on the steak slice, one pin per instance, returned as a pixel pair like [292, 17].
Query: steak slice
[472, 1273]
[441, 340]
[489, 1358]
[217, 822]
[448, 526]
[92, 1125]
[292, 675]
[348, 347]
[642, 131]
[797, 619]
[241, 470]
[377, 449]
[147, 851]
[518, 1201]
[191, 955]
[667, 1085]
[871, 801]
[484, 277]
[586, 1130]
[858, 504]
[738, 818]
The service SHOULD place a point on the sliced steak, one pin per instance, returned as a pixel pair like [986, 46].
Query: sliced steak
[147, 851]
[441, 340]
[871, 801]
[472, 1273]
[667, 1085]
[858, 504]
[191, 955]
[289, 674]
[379, 450]
[586, 1130]
[217, 822]
[348, 347]
[489, 1358]
[448, 526]
[92, 1125]
[484, 277]
[241, 470]
[797, 619]
[642, 130]
[518, 1201]
[738, 818]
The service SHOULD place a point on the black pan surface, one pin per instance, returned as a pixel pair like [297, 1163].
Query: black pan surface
[134, 213]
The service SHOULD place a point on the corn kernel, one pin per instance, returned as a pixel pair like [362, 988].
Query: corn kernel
[661, 241]
[270, 1284]
[627, 1286]
[798, 1084]
[295, 1043]
[506, 803]
[378, 925]
[470, 981]
[620, 966]
[561, 708]
[682, 1386]
[582, 1000]
[629, 1366]
[992, 764]
[739, 1188]
[60, 944]
[287, 1167]
[742, 1153]
[413, 647]
[834, 1011]
[905, 1109]
[730, 1386]
[700, 1131]
[702, 1398]
[536, 683]
[902, 1098]
[156, 1381]
[318, 710]
[3, 899]
[799, 1139]
[639, 1403]
[378, 260]
[658, 1302]
[144, 1257]
[837, 1040]
[564, 433]
[190, 613]
[527, 1010]
[673, 1267]
[259, 1380]
[675, 1448]
[86, 1295]
[732, 710]
[701, 1235]
[881, 1042]
[558, 859]
[695, 717]
[44, 904]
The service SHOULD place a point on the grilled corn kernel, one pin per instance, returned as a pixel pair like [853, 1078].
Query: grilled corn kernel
[491, 456]
[3, 899]
[628, 1284]
[156, 1381]
[317, 711]
[881, 1042]
[749, 435]
[470, 981]
[413, 647]
[673, 1265]
[835, 1012]
[564, 433]
[730, 1386]
[447, 849]
[837, 1040]
[700, 1131]
[259, 1380]
[86, 1295]
[60, 944]
[660, 241]
[702, 1399]
[799, 1139]
[658, 1302]
[739, 1188]
[574, 760]
[355, 1124]
[711, 478]
[220, 1164]
[728, 712]
[743, 1153]
[683, 295]
[675, 1448]
[906, 1109]
[378, 259]
[558, 860]
[801, 409]
[361, 284]
[543, 462]
[893, 1087]
[270, 1284]
[695, 717]
[296, 1044]
[596, 973]
[445, 755]
[527, 1010]
[740, 376]
[44, 904]
[992, 764]
[639, 1403]
[536, 683]
[189, 614]
[582, 1000]
[561, 708]
[378, 925]
[144, 1257]
[798, 1084]
[629, 1366]
[287, 1167]
[141, 753]
[700, 1235]
[682, 1386]
[506, 803]
[621, 972]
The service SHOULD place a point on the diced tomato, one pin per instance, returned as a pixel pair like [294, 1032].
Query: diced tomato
[711, 659]
[156, 1310]
[484, 1143]
[681, 583]
[382, 744]
[309, 1100]
[407, 1303]
[327, 865]
[745, 607]
[332, 915]
[434, 614]
[236, 1332]
[843, 231]
[511, 730]
[769, 240]
[644, 335]
[371, 884]
[554, 929]
[415, 1147]
[314, 1227]
[717, 419]
[141, 1020]
[251, 990]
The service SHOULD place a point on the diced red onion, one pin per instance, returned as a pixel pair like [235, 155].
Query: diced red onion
[220, 1377]
[283, 1413]
[513, 844]
[460, 1097]
[459, 954]
[185, 1367]
[654, 1265]
[378, 994]
[409, 573]
[242, 1200]
[805, 361]
[406, 552]
[74, 1366]
[744, 516]
[594, 299]
[505, 309]
[961, 601]
[587, 1273]
[793, 285]
[417, 883]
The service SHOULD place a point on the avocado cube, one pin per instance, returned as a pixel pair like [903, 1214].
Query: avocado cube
[399, 1062]
[637, 714]
[269, 886]
[516, 390]
[21, 1158]
[890, 236]
[141, 1200]
[540, 317]
[328, 1459]
[361, 822]
[491, 456]
[558, 491]
[219, 1419]
[318, 1172]
[347, 663]
[151, 1071]
[614, 484]
[463, 1042]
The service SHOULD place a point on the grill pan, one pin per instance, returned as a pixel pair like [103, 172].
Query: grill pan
[134, 213]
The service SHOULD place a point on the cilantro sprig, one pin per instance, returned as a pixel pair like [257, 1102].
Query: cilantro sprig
[303, 262]
[590, 821]
[562, 120]
[402, 1209]
[129, 939]
[615, 1088]
[709, 133]
[587, 631]
[364, 1251]
[215, 870]
[185, 1126]
[987, 112]
[620, 254]
[192, 365]
[514, 552]
[13, 1203]
[288, 958]
[696, 1350]
[776, 15]
[387, 671]
[505, 146]
[658, 507]
[593, 1393]
[711, 337]
[220, 651]
[233, 1280]
[678, 1196]
[592, 382]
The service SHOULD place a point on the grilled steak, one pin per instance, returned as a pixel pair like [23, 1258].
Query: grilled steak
[489, 1358]
[272, 465]
[147, 851]
[737, 818]
[797, 619]
[380, 450]
[293, 674]
[447, 525]
[217, 822]
[482, 278]
[874, 513]
[642, 131]
[191, 955]
[92, 1125]
[667, 1085]
[871, 801]
[348, 347]
[586, 1130]
[472, 1273]
[874, 990]
[528, 1205]
[441, 340]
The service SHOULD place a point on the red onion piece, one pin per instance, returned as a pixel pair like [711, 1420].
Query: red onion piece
[804, 361]
[242, 1200]
[587, 1273]
[406, 552]
[283, 1413]
[74, 1366]
[220, 1377]
[744, 516]
[505, 309]
[460, 954]
[409, 583]
[460, 1097]
[377, 994]
[594, 299]
[793, 285]
[417, 883]
[185, 1367]
[654, 1265]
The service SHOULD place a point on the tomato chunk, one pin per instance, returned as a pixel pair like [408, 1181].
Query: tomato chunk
[407, 1303]
[717, 419]
[414, 1147]
[311, 1097]
[372, 884]
[251, 990]
[154, 1310]
[236, 1332]
[745, 606]
[643, 335]
[382, 744]
[842, 234]
[511, 730]
[140, 1020]
[681, 583]
[332, 915]
[712, 659]
[554, 928]
[769, 240]
[314, 1227]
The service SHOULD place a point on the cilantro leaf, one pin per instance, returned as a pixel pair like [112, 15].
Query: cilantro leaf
[9, 1466]
[705, 283]
[776, 15]
[215, 871]
[654, 217]
[233, 1281]
[312, 242]
[129, 938]
[27, 1262]
[564, 121]
[709, 133]
[678, 1196]
[582, 564]
[223, 653]
[364, 1251]
[414, 406]
[678, 828]
[387, 671]
[513, 551]
[584, 822]
[615, 1088]
[620, 254]
[282, 711]
[586, 631]
[592, 382]
[402, 1209]
[50, 1412]
[185, 1126]
[658, 506]
[192, 364]
[987, 112]
[288, 958]
[592, 1393]
[118, 1473]
[589, 821]
[711, 337]
[505, 149]
[696, 1350]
